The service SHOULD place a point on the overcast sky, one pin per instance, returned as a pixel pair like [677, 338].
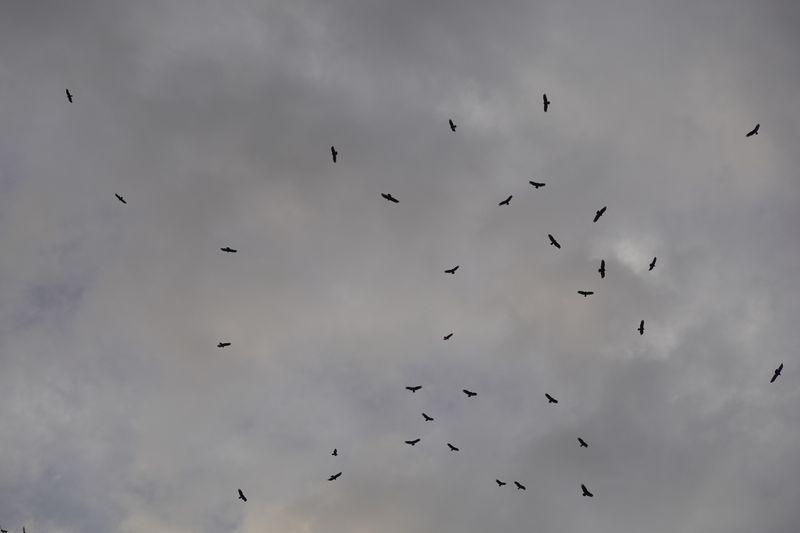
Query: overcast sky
[118, 413]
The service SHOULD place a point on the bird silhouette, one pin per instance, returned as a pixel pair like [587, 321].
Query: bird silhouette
[452, 125]
[390, 197]
[469, 393]
[229, 250]
[602, 268]
[536, 185]
[426, 417]
[599, 213]
[777, 373]
[582, 443]
[553, 241]
[241, 496]
[412, 442]
[507, 201]
[452, 448]
[334, 477]
[500, 483]
[652, 264]
[120, 198]
[3, 531]
[69, 96]
[414, 388]
[546, 102]
[223, 344]
[550, 399]
[750, 133]
[447, 337]
[334, 153]
[586, 491]
[585, 294]
[452, 270]
[520, 486]
[335, 452]
[641, 327]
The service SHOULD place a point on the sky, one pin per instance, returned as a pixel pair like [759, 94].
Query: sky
[119, 414]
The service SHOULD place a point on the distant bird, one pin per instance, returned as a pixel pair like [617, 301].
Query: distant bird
[3, 531]
[452, 126]
[415, 388]
[500, 483]
[652, 264]
[507, 201]
[777, 373]
[334, 153]
[586, 491]
[553, 241]
[585, 294]
[120, 198]
[452, 270]
[641, 327]
[229, 250]
[469, 393]
[550, 399]
[546, 102]
[536, 185]
[520, 486]
[241, 496]
[582, 443]
[335, 452]
[334, 477]
[390, 197]
[412, 442]
[750, 133]
[223, 345]
[599, 213]
[426, 417]
[69, 96]
[602, 268]
[452, 448]
[447, 337]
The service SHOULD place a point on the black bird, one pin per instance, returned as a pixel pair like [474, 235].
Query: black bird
[389, 197]
[602, 269]
[777, 373]
[3, 531]
[241, 496]
[412, 442]
[519, 485]
[447, 337]
[652, 264]
[550, 399]
[69, 95]
[641, 327]
[452, 270]
[546, 102]
[500, 483]
[585, 294]
[599, 213]
[452, 126]
[334, 153]
[582, 443]
[229, 250]
[536, 185]
[335, 452]
[223, 344]
[452, 448]
[750, 133]
[426, 417]
[334, 477]
[469, 393]
[553, 241]
[415, 388]
[507, 201]
[586, 491]
[120, 198]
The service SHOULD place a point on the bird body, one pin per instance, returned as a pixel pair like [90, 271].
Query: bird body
[582, 443]
[469, 393]
[334, 477]
[750, 133]
[500, 483]
[335, 452]
[426, 417]
[452, 448]
[69, 96]
[229, 250]
[452, 125]
[602, 268]
[641, 327]
[390, 198]
[586, 491]
[585, 294]
[452, 270]
[599, 213]
[652, 264]
[546, 102]
[447, 337]
[223, 344]
[414, 388]
[334, 153]
[553, 241]
[777, 373]
[550, 399]
[242, 496]
[507, 201]
[412, 442]
[120, 198]
[520, 486]
[536, 185]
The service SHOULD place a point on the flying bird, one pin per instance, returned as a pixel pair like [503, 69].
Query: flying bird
[599, 213]
[390, 197]
[447, 337]
[553, 241]
[334, 477]
[415, 388]
[550, 399]
[536, 185]
[507, 201]
[750, 133]
[229, 250]
[602, 268]
[120, 198]
[5, 530]
[546, 102]
[452, 126]
[585, 294]
[452, 270]
[223, 344]
[582, 443]
[500, 483]
[641, 327]
[777, 373]
[519, 485]
[586, 491]
[69, 95]
[426, 417]
[469, 393]
[412, 442]
[241, 496]
[452, 448]
[652, 264]
[335, 452]
[334, 153]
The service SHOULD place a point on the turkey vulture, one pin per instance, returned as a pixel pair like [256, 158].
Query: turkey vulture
[228, 249]
[452, 270]
[69, 95]
[777, 373]
[415, 388]
[241, 496]
[553, 241]
[120, 198]
[536, 185]
[582, 443]
[546, 102]
[586, 491]
[599, 213]
[426, 417]
[469, 393]
[447, 337]
[452, 126]
[334, 477]
[223, 344]
[452, 448]
[519, 485]
[412, 442]
[500, 483]
[335, 452]
[3, 531]
[652, 264]
[507, 200]
[585, 293]
[334, 153]
[389, 197]
[602, 269]
[641, 327]
[750, 133]
[550, 399]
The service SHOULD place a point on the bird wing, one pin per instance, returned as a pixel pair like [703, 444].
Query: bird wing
[780, 368]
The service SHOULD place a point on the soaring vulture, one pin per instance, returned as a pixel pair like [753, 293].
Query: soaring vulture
[750, 133]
